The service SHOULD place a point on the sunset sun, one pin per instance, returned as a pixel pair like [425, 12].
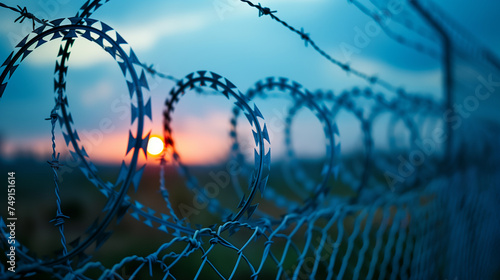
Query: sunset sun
[155, 145]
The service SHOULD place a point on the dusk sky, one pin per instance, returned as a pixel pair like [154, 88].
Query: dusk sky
[223, 36]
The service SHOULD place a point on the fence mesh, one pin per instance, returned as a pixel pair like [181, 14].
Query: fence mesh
[370, 217]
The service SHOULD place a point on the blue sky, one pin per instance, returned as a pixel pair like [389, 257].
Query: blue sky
[224, 36]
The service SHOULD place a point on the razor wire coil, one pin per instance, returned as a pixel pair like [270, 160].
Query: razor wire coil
[379, 234]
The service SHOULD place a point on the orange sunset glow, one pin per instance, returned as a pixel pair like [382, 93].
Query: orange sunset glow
[155, 145]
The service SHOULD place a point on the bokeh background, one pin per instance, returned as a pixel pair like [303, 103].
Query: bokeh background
[229, 38]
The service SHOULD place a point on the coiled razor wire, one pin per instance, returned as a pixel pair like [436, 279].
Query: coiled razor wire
[428, 229]
[74, 28]
[298, 96]
[262, 155]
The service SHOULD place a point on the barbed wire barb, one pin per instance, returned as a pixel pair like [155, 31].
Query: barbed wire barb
[309, 41]
[24, 14]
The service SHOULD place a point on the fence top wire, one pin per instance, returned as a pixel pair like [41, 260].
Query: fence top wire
[402, 233]
[371, 79]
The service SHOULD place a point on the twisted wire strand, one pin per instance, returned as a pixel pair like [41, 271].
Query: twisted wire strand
[371, 79]
[379, 19]
[467, 46]
[408, 23]
[59, 220]
[24, 14]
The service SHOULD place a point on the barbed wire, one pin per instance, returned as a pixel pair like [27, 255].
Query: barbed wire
[24, 14]
[59, 220]
[467, 45]
[406, 21]
[399, 234]
[379, 19]
[371, 79]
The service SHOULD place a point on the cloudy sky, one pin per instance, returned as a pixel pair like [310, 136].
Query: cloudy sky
[223, 36]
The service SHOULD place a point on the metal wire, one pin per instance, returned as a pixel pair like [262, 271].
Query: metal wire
[438, 220]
